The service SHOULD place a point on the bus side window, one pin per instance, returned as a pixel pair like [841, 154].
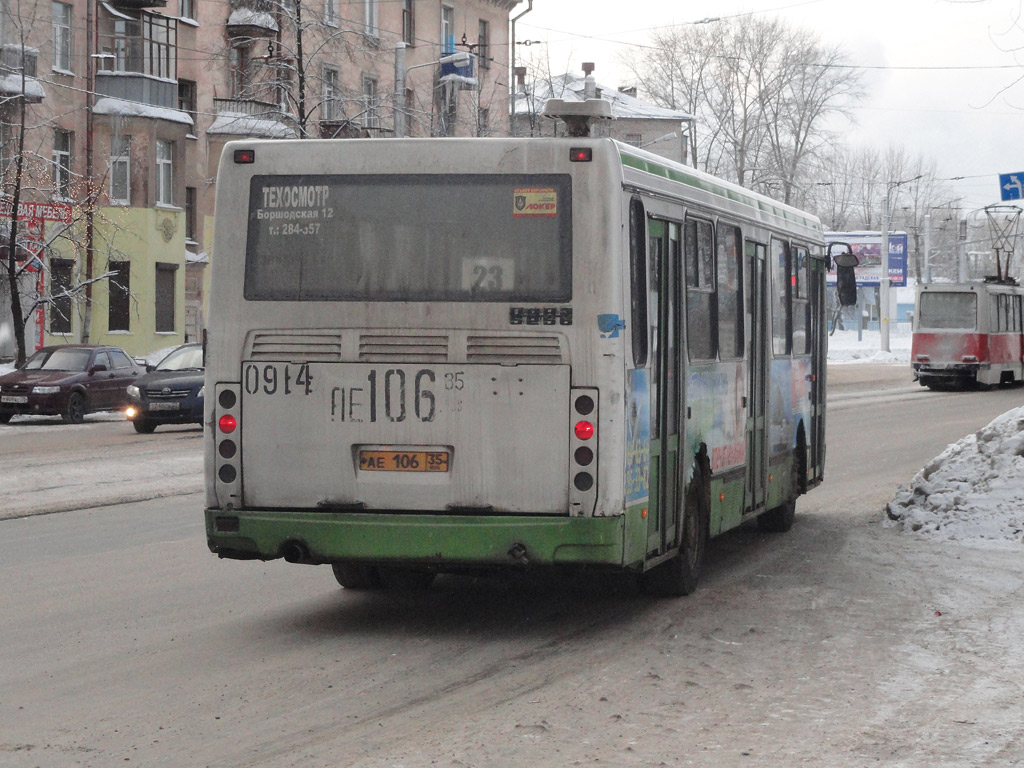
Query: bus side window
[638, 280]
[701, 304]
[782, 329]
[730, 292]
[801, 313]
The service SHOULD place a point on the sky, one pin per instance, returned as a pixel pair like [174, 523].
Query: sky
[940, 74]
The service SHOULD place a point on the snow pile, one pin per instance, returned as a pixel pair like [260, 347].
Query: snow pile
[972, 491]
[846, 347]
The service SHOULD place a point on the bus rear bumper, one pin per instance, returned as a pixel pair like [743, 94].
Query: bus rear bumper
[441, 541]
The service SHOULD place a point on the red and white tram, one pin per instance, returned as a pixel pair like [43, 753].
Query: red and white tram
[968, 334]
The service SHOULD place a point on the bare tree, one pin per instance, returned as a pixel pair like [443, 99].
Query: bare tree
[762, 93]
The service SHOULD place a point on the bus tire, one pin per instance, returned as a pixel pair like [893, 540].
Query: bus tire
[678, 577]
[406, 579]
[780, 519]
[353, 576]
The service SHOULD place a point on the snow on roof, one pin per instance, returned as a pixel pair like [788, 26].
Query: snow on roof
[11, 84]
[111, 106]
[237, 124]
[191, 257]
[973, 491]
[570, 87]
[246, 17]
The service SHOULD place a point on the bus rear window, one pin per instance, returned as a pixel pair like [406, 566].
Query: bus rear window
[943, 309]
[409, 238]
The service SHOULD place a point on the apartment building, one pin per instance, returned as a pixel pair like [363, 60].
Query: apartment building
[114, 113]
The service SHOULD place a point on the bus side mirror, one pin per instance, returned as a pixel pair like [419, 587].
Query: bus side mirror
[846, 277]
[846, 285]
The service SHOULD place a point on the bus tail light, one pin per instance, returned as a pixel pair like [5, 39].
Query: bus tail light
[228, 439]
[583, 451]
[584, 430]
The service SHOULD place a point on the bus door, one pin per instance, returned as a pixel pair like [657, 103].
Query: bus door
[757, 378]
[664, 242]
[819, 354]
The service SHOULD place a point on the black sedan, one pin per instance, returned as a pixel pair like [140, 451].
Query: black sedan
[68, 381]
[171, 393]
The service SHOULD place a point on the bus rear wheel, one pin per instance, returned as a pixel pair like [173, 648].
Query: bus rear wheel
[355, 576]
[781, 518]
[679, 576]
[406, 579]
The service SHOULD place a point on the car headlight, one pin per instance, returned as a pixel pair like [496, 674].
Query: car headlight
[45, 390]
[202, 391]
[134, 391]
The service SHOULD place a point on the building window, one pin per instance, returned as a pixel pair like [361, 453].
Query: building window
[164, 176]
[447, 30]
[146, 44]
[187, 9]
[61, 169]
[60, 304]
[371, 117]
[331, 108]
[160, 36]
[370, 18]
[165, 276]
[239, 65]
[483, 121]
[191, 198]
[119, 288]
[636, 139]
[331, 12]
[120, 170]
[408, 23]
[187, 100]
[483, 44]
[62, 36]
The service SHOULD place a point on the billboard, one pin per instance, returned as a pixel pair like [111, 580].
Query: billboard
[868, 248]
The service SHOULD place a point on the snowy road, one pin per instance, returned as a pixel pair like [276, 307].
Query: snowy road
[842, 643]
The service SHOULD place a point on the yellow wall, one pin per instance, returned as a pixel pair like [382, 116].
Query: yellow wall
[144, 237]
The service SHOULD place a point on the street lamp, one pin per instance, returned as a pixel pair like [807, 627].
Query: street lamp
[883, 280]
[459, 59]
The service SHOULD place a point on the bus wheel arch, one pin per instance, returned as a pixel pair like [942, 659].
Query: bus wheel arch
[780, 519]
[679, 576]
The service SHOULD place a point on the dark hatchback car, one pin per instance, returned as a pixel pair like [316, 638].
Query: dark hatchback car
[171, 393]
[69, 381]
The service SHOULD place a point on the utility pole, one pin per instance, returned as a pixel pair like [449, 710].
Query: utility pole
[90, 90]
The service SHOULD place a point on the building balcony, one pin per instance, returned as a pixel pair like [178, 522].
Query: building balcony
[136, 5]
[250, 117]
[14, 62]
[252, 19]
[135, 86]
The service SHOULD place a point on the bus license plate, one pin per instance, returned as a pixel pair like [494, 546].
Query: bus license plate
[403, 461]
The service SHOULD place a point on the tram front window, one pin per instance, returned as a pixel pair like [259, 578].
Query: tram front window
[943, 310]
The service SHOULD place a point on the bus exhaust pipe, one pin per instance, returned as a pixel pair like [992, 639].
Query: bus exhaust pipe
[296, 552]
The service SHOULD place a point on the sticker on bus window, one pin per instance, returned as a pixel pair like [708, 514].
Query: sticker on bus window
[532, 202]
[485, 274]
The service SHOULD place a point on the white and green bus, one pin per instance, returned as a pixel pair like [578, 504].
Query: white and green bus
[442, 355]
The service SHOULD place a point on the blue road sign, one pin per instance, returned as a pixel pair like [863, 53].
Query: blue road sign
[1011, 186]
